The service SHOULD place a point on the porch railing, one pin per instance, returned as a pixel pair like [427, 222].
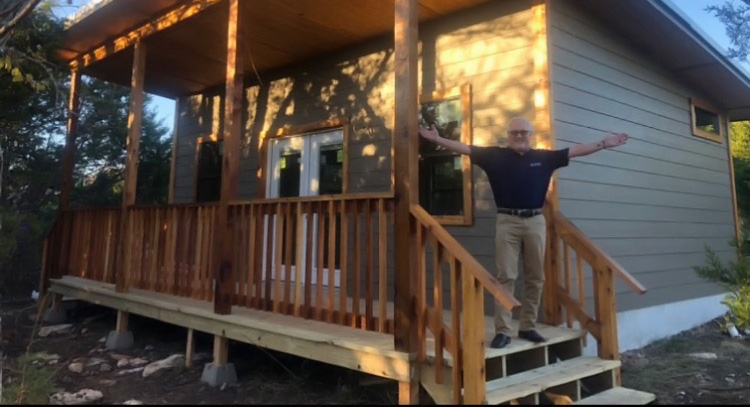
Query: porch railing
[570, 252]
[467, 280]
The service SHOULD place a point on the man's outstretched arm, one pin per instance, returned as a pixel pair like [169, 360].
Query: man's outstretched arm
[432, 135]
[612, 140]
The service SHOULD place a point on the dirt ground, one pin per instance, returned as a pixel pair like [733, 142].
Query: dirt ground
[267, 377]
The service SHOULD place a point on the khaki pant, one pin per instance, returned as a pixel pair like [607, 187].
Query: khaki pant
[515, 235]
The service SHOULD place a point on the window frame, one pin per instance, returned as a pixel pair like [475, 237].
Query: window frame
[464, 94]
[301, 131]
[718, 138]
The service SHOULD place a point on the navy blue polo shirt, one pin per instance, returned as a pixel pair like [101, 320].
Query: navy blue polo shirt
[518, 181]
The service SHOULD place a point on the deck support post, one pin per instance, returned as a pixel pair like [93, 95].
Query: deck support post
[189, 349]
[221, 264]
[219, 371]
[120, 338]
[135, 118]
[405, 154]
[55, 314]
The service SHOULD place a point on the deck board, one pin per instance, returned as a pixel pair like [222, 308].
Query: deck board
[356, 349]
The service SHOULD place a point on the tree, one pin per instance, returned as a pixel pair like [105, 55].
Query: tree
[740, 139]
[736, 19]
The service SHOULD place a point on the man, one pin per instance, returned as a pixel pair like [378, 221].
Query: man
[519, 177]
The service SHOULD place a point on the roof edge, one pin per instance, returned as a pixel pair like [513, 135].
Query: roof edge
[85, 11]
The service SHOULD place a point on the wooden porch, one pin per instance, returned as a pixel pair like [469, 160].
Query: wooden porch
[369, 282]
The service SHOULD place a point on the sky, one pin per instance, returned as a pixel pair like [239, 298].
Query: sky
[694, 10]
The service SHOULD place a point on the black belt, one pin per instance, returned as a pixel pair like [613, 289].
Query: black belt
[523, 213]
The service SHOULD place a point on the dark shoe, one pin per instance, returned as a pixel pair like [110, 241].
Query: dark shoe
[532, 336]
[500, 341]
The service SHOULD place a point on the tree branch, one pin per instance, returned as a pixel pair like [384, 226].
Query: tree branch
[24, 10]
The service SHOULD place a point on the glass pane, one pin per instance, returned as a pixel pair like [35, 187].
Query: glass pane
[441, 188]
[290, 163]
[331, 169]
[706, 121]
[446, 116]
[208, 184]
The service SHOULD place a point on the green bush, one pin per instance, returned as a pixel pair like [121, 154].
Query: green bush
[732, 276]
[738, 304]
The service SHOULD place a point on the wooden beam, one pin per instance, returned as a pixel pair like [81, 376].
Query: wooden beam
[221, 350]
[135, 118]
[66, 177]
[122, 322]
[175, 134]
[222, 265]
[109, 47]
[189, 349]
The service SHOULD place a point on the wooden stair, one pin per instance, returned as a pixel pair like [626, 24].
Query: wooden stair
[531, 374]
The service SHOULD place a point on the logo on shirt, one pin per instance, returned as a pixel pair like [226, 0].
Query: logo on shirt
[536, 164]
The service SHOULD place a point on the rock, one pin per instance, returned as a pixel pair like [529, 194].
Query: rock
[133, 402]
[95, 362]
[704, 355]
[105, 367]
[122, 363]
[54, 329]
[84, 331]
[129, 371]
[84, 396]
[107, 382]
[681, 394]
[45, 356]
[149, 348]
[103, 339]
[137, 362]
[170, 362]
[118, 357]
[53, 362]
[76, 367]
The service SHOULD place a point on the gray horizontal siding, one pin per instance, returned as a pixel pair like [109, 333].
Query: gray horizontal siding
[655, 203]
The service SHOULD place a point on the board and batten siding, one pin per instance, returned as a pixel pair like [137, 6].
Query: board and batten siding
[654, 203]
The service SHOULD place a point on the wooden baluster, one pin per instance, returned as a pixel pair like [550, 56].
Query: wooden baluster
[332, 243]
[606, 313]
[437, 326]
[382, 266]
[269, 231]
[568, 283]
[473, 357]
[253, 254]
[289, 234]
[310, 219]
[356, 264]
[195, 289]
[300, 266]
[277, 259]
[581, 288]
[456, 349]
[343, 300]
[320, 257]
[421, 253]
[552, 309]
[368, 265]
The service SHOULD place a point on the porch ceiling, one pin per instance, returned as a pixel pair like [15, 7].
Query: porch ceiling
[190, 56]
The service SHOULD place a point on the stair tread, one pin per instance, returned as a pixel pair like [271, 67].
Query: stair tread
[618, 396]
[539, 379]
[554, 335]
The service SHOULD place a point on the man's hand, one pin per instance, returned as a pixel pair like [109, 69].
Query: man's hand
[615, 140]
[430, 134]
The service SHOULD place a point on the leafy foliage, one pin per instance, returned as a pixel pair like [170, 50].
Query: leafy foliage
[738, 304]
[736, 18]
[32, 383]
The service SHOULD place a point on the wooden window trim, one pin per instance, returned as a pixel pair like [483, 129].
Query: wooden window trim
[301, 130]
[719, 138]
[465, 93]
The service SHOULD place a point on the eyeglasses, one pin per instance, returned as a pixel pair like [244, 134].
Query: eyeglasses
[519, 132]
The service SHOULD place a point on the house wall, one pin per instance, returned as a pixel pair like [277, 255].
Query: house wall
[654, 203]
[490, 47]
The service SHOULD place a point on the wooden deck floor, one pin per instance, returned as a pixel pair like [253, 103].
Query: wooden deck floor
[366, 351]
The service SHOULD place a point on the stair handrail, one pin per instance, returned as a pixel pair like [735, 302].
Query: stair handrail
[464, 339]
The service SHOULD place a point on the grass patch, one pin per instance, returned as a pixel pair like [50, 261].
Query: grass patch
[31, 382]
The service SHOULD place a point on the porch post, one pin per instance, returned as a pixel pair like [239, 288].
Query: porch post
[405, 143]
[131, 162]
[66, 178]
[222, 262]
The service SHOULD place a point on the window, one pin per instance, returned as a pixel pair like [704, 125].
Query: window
[445, 179]
[208, 171]
[705, 121]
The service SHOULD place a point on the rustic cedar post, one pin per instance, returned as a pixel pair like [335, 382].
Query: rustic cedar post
[220, 371]
[56, 314]
[405, 143]
[121, 338]
[222, 262]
